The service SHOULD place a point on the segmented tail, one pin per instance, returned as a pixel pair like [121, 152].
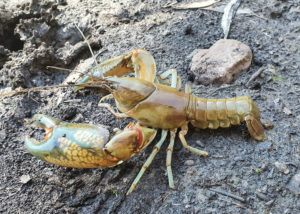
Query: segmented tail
[214, 113]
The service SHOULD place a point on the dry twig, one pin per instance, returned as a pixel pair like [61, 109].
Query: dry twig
[222, 192]
[255, 75]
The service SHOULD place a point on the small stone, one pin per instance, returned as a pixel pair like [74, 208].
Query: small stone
[166, 33]
[24, 179]
[294, 184]
[220, 63]
[54, 180]
[199, 143]
[276, 101]
[201, 197]
[79, 118]
[89, 105]
[269, 203]
[2, 134]
[264, 146]
[71, 182]
[238, 158]
[282, 167]
[267, 124]
[262, 196]
[264, 166]
[189, 163]
[287, 111]
[187, 206]
[275, 14]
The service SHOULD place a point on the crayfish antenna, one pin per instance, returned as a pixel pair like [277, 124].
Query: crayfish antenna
[88, 44]
[90, 49]
[64, 69]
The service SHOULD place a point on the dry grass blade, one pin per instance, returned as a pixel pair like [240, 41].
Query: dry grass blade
[255, 75]
[240, 11]
[59, 69]
[229, 12]
[88, 44]
[249, 12]
[18, 91]
[99, 84]
[194, 5]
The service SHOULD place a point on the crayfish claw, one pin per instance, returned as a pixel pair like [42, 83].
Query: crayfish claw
[38, 148]
[42, 121]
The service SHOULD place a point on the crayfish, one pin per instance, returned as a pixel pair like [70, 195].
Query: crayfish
[152, 104]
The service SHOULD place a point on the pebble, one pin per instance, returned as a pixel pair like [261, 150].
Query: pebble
[262, 196]
[294, 184]
[54, 180]
[2, 134]
[269, 203]
[221, 62]
[267, 124]
[282, 167]
[199, 143]
[264, 146]
[24, 179]
[166, 33]
[71, 182]
[189, 163]
[287, 111]
[79, 118]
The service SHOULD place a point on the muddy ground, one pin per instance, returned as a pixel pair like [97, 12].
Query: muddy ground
[33, 36]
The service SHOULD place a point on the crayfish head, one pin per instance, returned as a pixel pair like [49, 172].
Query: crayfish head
[128, 92]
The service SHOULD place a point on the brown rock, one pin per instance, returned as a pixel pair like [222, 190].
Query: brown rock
[221, 62]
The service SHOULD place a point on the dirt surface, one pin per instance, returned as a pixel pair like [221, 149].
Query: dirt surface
[35, 35]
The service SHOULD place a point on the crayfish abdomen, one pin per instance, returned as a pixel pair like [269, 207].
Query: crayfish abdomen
[214, 113]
